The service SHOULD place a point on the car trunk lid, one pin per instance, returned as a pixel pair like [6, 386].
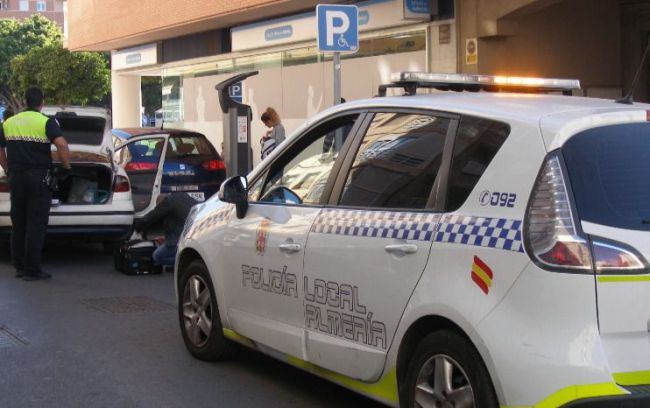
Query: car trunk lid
[608, 168]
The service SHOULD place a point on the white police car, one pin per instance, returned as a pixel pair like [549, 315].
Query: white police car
[95, 203]
[459, 249]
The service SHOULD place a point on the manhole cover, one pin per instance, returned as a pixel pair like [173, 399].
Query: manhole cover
[127, 304]
[8, 339]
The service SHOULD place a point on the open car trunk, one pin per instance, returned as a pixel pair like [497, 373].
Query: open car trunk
[90, 182]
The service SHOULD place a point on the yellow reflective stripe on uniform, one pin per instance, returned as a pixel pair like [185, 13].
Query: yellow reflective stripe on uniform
[624, 278]
[632, 378]
[26, 126]
[384, 389]
[575, 392]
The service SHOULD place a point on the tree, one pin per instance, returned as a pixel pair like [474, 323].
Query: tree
[151, 94]
[65, 77]
[17, 38]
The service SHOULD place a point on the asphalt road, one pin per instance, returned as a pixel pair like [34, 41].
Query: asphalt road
[92, 337]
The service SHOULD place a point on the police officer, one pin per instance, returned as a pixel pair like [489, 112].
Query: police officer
[25, 155]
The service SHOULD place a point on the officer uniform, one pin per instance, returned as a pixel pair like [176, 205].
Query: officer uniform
[27, 138]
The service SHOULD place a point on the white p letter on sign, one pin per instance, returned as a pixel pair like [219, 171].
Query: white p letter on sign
[337, 22]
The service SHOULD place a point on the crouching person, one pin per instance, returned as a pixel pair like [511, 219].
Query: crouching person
[172, 210]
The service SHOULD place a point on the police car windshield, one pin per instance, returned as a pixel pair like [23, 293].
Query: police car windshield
[82, 130]
[608, 169]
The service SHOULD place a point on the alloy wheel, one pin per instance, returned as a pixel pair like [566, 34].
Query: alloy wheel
[197, 310]
[442, 383]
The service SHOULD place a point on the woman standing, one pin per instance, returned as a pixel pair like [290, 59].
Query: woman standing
[275, 135]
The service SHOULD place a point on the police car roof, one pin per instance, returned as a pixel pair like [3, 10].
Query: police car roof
[549, 112]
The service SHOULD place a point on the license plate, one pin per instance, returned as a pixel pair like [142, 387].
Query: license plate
[197, 195]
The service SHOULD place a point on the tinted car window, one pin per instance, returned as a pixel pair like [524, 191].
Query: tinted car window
[82, 130]
[397, 162]
[477, 142]
[189, 145]
[609, 168]
[142, 155]
[300, 175]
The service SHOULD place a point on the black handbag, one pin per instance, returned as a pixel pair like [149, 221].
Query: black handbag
[135, 257]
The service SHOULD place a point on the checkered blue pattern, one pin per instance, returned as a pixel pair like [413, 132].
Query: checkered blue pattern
[214, 220]
[497, 233]
[376, 224]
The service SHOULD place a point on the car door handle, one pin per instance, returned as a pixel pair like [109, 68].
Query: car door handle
[290, 248]
[401, 249]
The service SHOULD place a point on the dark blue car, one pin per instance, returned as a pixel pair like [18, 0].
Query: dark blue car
[161, 161]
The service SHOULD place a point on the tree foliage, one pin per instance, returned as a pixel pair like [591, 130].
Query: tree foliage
[65, 77]
[32, 54]
[17, 38]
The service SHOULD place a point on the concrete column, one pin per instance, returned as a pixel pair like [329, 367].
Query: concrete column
[127, 100]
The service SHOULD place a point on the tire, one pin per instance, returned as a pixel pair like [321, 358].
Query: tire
[200, 322]
[445, 354]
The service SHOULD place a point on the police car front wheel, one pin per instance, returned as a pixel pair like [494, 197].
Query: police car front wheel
[446, 371]
[199, 314]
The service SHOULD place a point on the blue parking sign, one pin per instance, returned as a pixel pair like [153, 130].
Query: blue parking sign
[338, 28]
[236, 92]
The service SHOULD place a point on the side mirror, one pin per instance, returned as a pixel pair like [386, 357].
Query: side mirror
[235, 191]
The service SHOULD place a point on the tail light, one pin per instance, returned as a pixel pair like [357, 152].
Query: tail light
[552, 237]
[614, 258]
[4, 184]
[136, 166]
[121, 185]
[213, 165]
[554, 241]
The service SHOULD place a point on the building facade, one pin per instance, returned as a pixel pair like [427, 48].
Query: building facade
[194, 44]
[20, 9]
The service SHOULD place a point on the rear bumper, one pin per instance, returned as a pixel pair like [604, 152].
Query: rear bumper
[89, 233]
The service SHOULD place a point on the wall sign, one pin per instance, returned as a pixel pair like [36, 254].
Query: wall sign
[242, 129]
[135, 57]
[471, 51]
[372, 15]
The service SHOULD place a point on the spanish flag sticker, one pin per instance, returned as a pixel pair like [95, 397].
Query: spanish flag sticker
[482, 274]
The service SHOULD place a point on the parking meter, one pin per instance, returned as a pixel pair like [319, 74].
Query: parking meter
[237, 151]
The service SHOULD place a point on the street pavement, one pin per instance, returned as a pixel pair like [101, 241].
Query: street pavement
[92, 337]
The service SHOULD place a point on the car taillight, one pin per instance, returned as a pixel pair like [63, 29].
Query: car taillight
[136, 166]
[121, 185]
[613, 258]
[554, 241]
[552, 237]
[4, 184]
[213, 165]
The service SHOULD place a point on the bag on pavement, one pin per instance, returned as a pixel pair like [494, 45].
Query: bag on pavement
[135, 257]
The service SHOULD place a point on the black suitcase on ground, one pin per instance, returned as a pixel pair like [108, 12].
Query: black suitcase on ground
[135, 257]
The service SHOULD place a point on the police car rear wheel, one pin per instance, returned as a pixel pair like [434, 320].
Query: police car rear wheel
[199, 315]
[447, 372]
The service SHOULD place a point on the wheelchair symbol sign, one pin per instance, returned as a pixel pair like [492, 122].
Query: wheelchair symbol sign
[338, 28]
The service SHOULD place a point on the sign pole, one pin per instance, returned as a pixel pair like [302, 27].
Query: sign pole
[337, 78]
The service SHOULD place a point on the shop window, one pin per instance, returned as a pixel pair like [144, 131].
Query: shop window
[300, 56]
[172, 90]
[406, 42]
